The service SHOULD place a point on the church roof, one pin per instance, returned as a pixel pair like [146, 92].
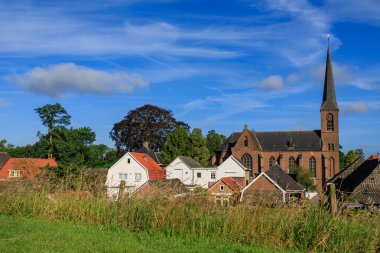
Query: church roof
[329, 98]
[280, 140]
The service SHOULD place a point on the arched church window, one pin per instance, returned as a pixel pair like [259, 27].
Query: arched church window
[332, 147]
[272, 161]
[329, 145]
[313, 166]
[246, 159]
[292, 162]
[245, 141]
[330, 122]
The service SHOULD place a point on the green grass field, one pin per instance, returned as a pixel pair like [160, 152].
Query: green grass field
[30, 235]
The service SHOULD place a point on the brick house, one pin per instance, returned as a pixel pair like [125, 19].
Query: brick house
[360, 181]
[314, 150]
[16, 168]
[273, 186]
[226, 191]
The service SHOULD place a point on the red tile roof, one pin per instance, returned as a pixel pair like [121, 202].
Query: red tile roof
[373, 157]
[232, 183]
[30, 167]
[155, 171]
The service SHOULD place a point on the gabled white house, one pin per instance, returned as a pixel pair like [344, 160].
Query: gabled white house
[190, 172]
[232, 167]
[135, 169]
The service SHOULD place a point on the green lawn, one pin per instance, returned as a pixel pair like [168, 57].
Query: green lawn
[30, 235]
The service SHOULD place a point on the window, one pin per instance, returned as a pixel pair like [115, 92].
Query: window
[330, 122]
[272, 161]
[222, 187]
[129, 160]
[123, 176]
[312, 167]
[213, 175]
[332, 147]
[245, 141]
[246, 159]
[199, 175]
[137, 176]
[292, 162]
[329, 147]
[14, 173]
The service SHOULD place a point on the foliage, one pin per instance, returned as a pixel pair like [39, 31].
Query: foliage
[309, 228]
[304, 177]
[350, 158]
[359, 153]
[200, 152]
[146, 123]
[53, 116]
[178, 143]
[213, 141]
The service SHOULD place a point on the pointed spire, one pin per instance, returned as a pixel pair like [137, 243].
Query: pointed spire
[329, 98]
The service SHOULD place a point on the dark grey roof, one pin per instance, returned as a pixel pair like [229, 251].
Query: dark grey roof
[282, 140]
[309, 140]
[3, 158]
[190, 162]
[341, 176]
[363, 183]
[329, 98]
[282, 178]
[155, 155]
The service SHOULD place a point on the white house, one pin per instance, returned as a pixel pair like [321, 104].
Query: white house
[190, 172]
[135, 169]
[232, 167]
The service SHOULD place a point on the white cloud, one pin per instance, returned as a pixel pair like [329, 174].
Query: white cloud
[272, 83]
[57, 80]
[355, 108]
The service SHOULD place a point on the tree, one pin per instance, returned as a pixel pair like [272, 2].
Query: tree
[147, 123]
[53, 116]
[303, 177]
[359, 153]
[177, 144]
[200, 152]
[350, 158]
[213, 141]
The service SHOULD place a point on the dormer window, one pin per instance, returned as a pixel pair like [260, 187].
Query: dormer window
[330, 122]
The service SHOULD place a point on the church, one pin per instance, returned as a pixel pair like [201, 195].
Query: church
[314, 150]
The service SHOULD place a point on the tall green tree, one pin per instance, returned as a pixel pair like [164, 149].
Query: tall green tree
[303, 177]
[178, 143]
[213, 141]
[146, 123]
[350, 158]
[200, 152]
[359, 153]
[53, 116]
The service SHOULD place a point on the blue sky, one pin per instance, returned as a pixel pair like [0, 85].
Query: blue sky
[215, 64]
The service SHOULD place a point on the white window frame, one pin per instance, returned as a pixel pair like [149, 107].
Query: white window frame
[199, 174]
[213, 175]
[138, 177]
[14, 173]
[221, 187]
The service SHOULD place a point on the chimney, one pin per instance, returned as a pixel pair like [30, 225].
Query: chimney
[146, 144]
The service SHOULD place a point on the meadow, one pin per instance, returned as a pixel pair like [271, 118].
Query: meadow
[305, 227]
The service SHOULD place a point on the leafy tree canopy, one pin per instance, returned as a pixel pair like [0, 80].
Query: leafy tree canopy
[303, 177]
[200, 152]
[146, 123]
[213, 141]
[178, 144]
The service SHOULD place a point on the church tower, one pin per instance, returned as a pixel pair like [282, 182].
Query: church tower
[329, 125]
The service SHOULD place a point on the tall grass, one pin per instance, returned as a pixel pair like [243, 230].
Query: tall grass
[308, 228]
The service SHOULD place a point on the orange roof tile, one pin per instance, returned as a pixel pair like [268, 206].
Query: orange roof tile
[155, 171]
[30, 165]
[232, 183]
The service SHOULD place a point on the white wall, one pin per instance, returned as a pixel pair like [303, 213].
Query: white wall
[130, 169]
[178, 169]
[205, 174]
[230, 168]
